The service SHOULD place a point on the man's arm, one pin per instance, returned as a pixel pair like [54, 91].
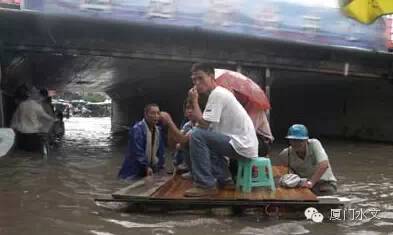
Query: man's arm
[322, 163]
[177, 134]
[321, 169]
[198, 116]
[41, 113]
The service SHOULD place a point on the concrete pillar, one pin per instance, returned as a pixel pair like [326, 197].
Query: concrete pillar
[128, 110]
[263, 77]
[268, 81]
[1, 98]
[2, 117]
[239, 69]
[124, 113]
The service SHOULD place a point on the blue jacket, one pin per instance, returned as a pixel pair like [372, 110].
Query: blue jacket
[135, 160]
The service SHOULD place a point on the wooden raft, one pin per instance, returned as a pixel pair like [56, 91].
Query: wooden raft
[170, 189]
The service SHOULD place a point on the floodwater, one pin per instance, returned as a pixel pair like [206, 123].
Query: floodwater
[55, 196]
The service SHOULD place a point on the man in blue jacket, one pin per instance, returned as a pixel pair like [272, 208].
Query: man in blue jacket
[145, 153]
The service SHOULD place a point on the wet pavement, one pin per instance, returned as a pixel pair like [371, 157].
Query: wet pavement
[55, 196]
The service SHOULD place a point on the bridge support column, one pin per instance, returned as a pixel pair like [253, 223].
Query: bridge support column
[268, 82]
[2, 117]
[124, 113]
[263, 77]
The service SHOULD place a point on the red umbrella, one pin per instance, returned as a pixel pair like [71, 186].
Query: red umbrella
[245, 89]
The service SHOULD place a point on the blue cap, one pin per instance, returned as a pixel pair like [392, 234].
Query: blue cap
[297, 132]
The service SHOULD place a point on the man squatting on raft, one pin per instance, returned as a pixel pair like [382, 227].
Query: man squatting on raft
[308, 159]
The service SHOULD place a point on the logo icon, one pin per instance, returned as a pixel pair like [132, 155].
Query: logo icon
[313, 214]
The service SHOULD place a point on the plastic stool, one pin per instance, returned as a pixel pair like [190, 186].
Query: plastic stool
[244, 179]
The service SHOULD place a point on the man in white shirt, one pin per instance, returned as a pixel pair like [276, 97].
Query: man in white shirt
[223, 129]
[31, 122]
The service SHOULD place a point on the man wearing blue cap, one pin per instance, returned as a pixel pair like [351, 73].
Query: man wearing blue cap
[308, 159]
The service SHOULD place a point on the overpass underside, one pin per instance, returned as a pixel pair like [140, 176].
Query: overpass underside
[334, 91]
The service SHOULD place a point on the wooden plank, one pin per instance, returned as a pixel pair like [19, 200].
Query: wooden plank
[142, 188]
[210, 202]
[173, 188]
[167, 192]
[276, 209]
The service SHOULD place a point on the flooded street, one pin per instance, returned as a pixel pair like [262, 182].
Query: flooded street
[55, 196]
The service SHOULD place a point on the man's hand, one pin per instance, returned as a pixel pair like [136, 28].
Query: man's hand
[307, 184]
[165, 117]
[178, 146]
[149, 171]
[193, 94]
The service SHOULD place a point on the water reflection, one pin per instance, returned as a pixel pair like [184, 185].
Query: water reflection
[56, 196]
[279, 229]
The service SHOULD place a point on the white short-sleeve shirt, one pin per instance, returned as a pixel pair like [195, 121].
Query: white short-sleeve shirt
[227, 116]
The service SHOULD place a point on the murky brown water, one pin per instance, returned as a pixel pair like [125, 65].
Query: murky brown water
[55, 196]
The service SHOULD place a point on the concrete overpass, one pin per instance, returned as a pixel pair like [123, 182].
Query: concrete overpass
[335, 91]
